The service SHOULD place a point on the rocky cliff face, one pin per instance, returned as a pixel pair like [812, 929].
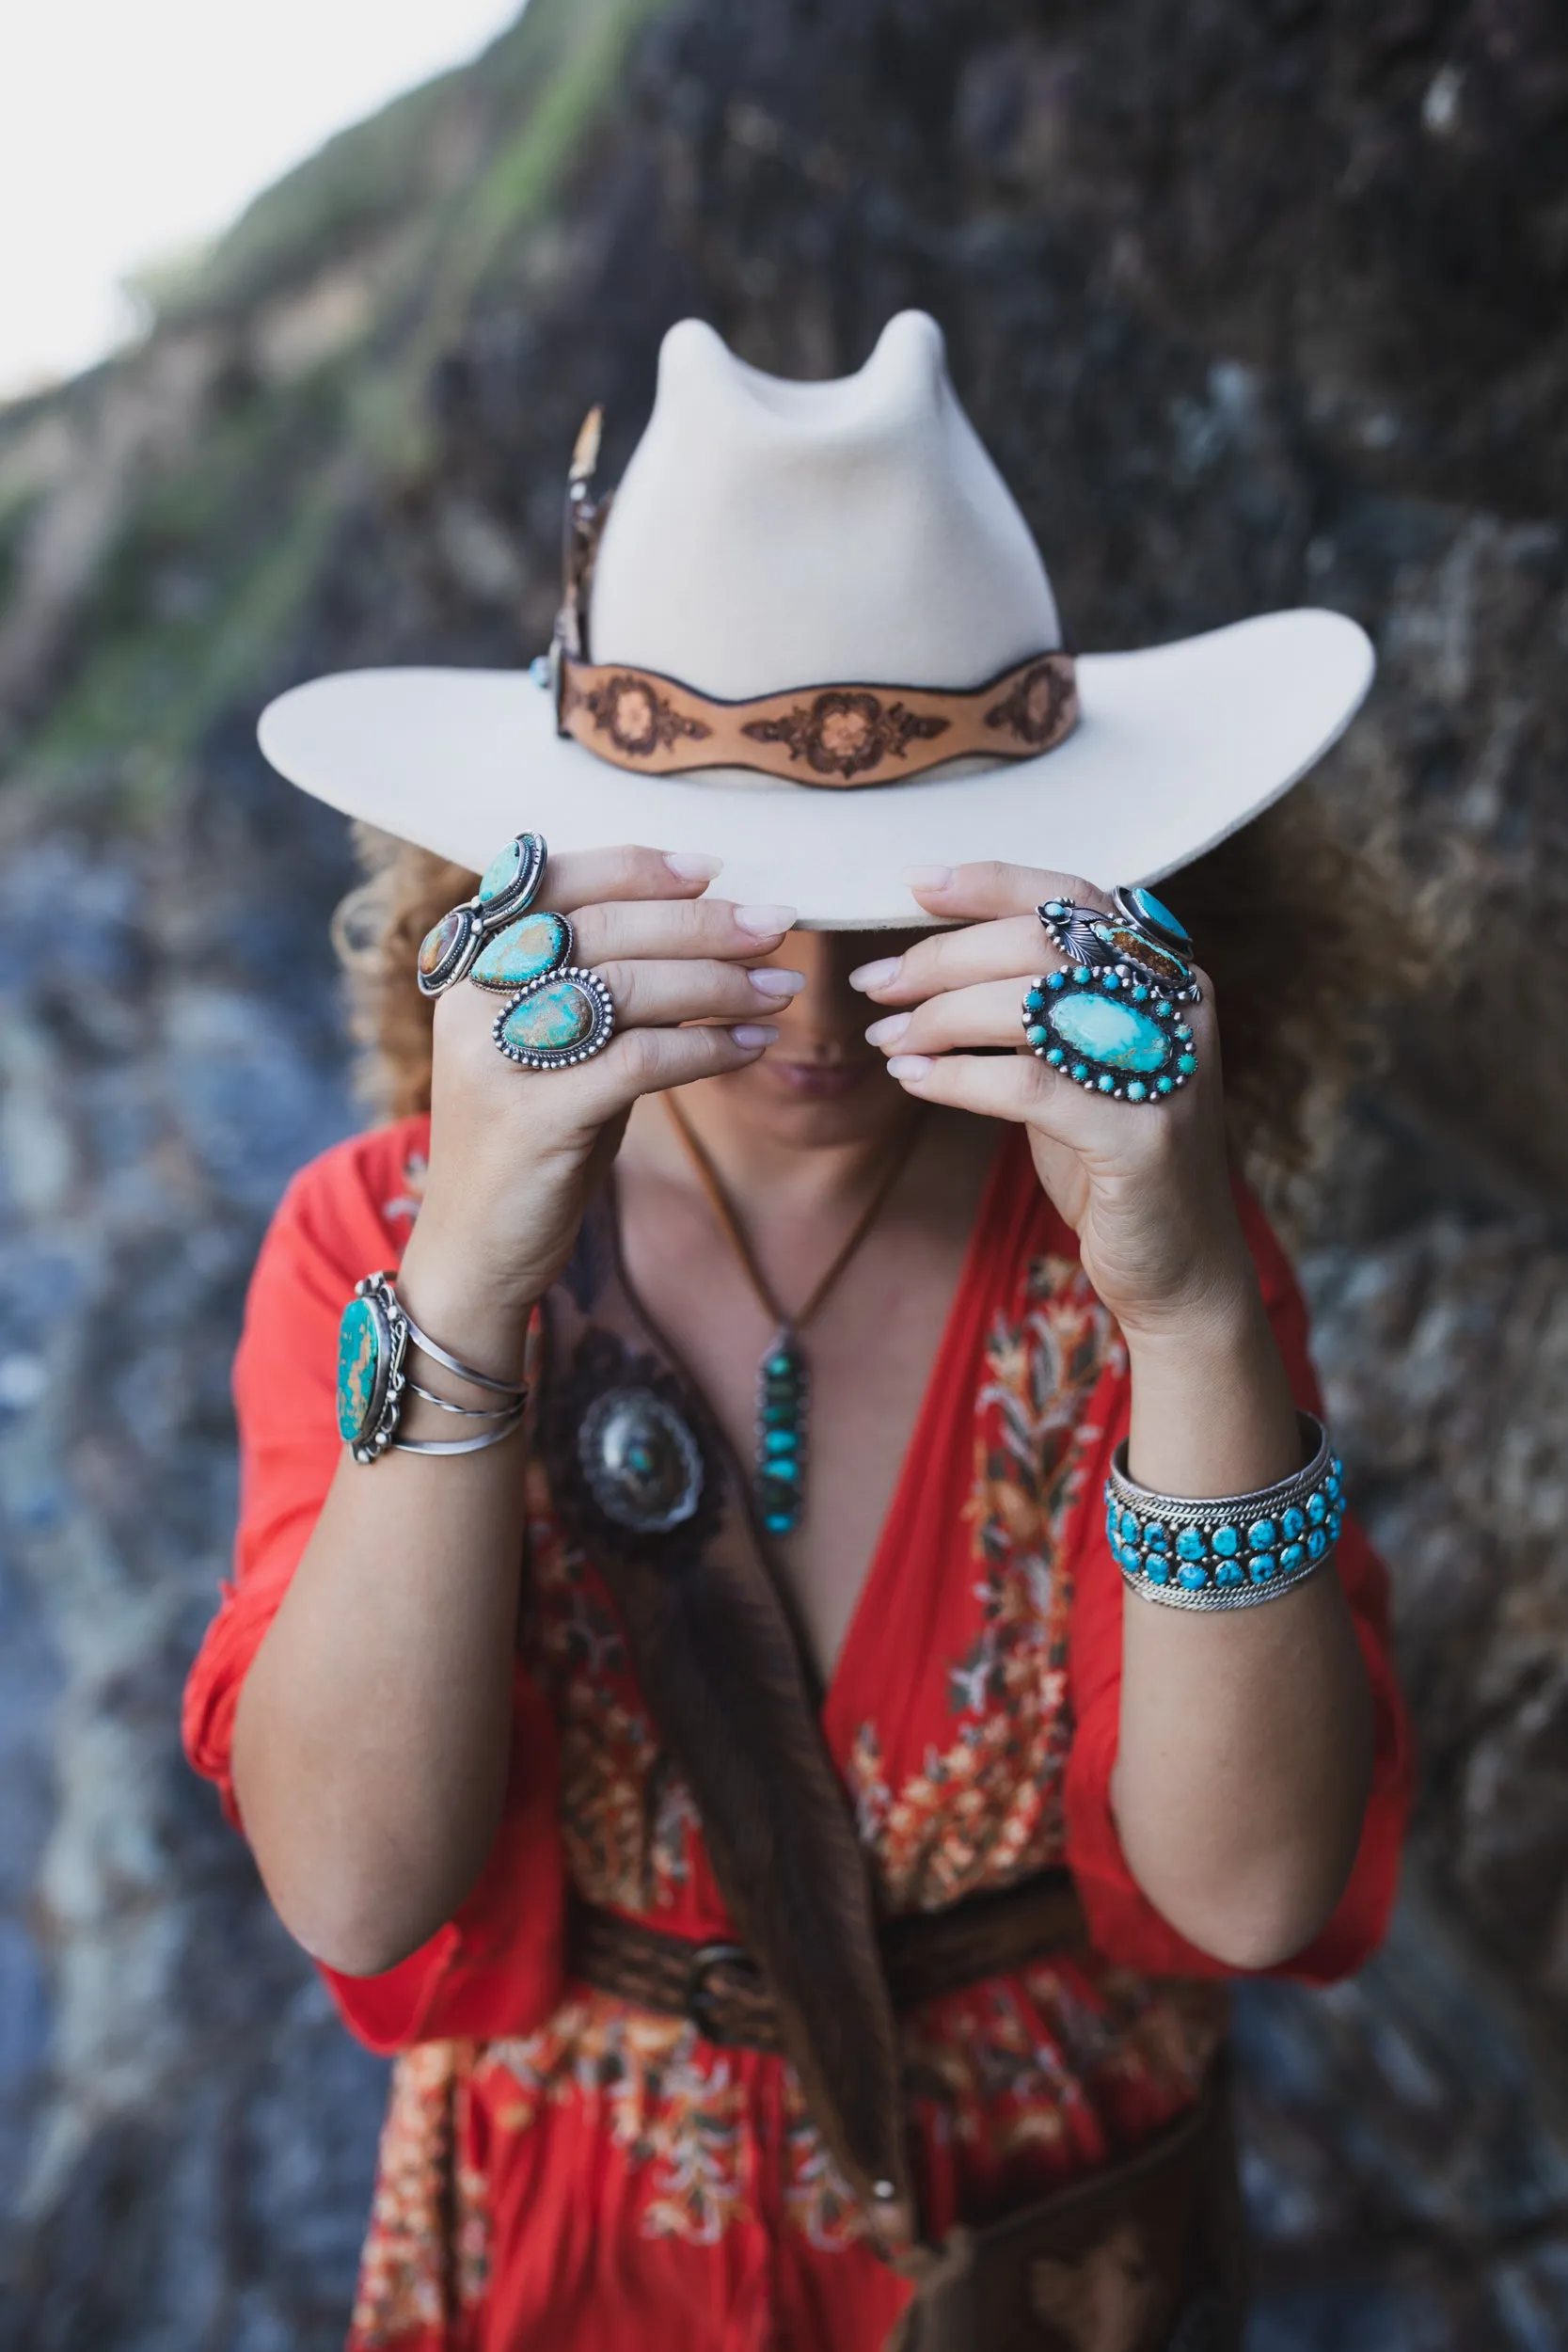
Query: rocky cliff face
[1254, 306]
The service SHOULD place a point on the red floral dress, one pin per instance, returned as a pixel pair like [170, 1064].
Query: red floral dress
[561, 2169]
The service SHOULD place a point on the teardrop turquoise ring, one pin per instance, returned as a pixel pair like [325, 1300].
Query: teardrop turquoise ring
[559, 1019]
[1115, 1020]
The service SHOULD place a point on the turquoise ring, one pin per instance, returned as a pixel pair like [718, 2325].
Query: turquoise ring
[507, 888]
[559, 1019]
[1116, 1019]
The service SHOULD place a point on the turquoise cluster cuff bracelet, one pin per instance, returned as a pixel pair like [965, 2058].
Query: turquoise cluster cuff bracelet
[1231, 1551]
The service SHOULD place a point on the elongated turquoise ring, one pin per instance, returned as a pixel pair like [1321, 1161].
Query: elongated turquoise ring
[507, 888]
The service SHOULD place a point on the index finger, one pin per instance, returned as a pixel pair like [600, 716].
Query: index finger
[982, 891]
[581, 877]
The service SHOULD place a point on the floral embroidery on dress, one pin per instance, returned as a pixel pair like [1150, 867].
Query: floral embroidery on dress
[987, 1808]
[427, 2251]
[669, 2099]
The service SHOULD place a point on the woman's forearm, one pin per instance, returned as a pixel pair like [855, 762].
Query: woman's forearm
[371, 1738]
[1245, 1738]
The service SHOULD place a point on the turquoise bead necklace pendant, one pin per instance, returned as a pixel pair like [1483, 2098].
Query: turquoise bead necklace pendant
[784, 1396]
[1116, 1019]
[784, 1375]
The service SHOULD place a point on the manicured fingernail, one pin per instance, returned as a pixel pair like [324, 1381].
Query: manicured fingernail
[928, 877]
[755, 1033]
[776, 983]
[869, 976]
[765, 922]
[909, 1066]
[691, 865]
[888, 1032]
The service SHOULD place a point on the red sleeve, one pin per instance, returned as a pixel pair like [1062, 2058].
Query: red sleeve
[1124, 1923]
[496, 1967]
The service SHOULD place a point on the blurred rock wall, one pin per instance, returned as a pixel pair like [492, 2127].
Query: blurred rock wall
[1255, 304]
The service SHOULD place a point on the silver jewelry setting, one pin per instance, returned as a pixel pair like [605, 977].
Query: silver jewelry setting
[588, 988]
[374, 1337]
[643, 1466]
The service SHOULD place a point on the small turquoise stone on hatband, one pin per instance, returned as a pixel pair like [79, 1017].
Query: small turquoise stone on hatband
[358, 1364]
[551, 1020]
[523, 951]
[1116, 1035]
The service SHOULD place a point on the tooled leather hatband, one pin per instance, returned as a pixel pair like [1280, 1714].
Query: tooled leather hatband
[818, 734]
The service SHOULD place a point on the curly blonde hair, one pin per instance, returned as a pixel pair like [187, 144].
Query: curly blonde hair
[1294, 930]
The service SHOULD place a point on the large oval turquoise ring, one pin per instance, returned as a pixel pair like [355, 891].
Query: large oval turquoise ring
[558, 1019]
[1111, 1031]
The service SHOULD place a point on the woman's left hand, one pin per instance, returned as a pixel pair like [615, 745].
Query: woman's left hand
[1144, 1187]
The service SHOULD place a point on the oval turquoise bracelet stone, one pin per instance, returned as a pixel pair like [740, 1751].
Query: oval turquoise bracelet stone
[360, 1355]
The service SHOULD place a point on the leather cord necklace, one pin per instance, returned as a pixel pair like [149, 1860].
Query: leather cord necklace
[783, 1375]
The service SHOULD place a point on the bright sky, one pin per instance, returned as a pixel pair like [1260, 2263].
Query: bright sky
[132, 129]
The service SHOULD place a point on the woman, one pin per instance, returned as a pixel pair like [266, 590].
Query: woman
[796, 1881]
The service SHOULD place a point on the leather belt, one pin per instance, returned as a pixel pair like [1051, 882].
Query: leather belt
[925, 1954]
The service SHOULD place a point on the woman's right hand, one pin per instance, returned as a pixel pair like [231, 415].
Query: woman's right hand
[516, 1154]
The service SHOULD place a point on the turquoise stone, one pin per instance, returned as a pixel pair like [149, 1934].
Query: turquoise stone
[1186, 1064]
[1107, 1085]
[1262, 1564]
[1189, 1544]
[1293, 1523]
[551, 1021]
[1055, 979]
[503, 870]
[1081, 975]
[1316, 1544]
[1194, 1579]
[521, 952]
[1156, 1537]
[1080, 1070]
[1156, 1567]
[1115, 1035]
[1317, 1509]
[1138, 1091]
[439, 944]
[359, 1358]
[1262, 1535]
[1292, 1556]
[1153, 910]
[778, 1522]
[1035, 1035]
[1056, 1056]
[1226, 1541]
[1035, 1001]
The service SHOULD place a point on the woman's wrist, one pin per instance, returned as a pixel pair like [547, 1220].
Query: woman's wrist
[454, 1297]
[1212, 1412]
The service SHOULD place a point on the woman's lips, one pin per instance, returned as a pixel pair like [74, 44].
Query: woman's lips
[819, 1081]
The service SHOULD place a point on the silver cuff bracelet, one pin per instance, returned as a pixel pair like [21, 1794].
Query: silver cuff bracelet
[1230, 1551]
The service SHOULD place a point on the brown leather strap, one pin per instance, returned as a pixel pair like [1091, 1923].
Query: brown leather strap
[818, 734]
[925, 1954]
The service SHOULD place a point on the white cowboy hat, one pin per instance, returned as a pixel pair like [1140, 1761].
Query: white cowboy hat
[770, 539]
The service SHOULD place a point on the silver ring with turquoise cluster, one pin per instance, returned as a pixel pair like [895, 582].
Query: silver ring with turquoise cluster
[1233, 1550]
[1115, 1020]
[452, 950]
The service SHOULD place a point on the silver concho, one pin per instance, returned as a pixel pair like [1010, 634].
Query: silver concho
[642, 1462]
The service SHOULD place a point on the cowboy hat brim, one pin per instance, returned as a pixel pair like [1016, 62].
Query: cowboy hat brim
[1178, 745]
